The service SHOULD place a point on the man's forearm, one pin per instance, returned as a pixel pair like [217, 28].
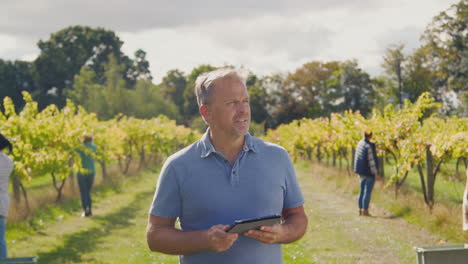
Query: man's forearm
[295, 226]
[172, 241]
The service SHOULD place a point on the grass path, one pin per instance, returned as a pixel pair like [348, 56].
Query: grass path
[336, 234]
[118, 223]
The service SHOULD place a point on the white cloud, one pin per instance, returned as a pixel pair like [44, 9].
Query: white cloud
[8, 42]
[17, 48]
[266, 36]
[29, 17]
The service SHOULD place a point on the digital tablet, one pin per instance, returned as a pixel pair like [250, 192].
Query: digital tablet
[244, 225]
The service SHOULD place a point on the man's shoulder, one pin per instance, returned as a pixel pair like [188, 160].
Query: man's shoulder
[266, 146]
[94, 147]
[364, 143]
[6, 162]
[369, 144]
[5, 158]
[91, 146]
[187, 154]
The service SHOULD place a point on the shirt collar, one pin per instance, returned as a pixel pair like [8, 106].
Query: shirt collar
[207, 148]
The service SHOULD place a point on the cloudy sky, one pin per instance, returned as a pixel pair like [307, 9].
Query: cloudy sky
[265, 36]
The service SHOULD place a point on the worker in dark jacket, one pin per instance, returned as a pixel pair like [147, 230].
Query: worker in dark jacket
[366, 164]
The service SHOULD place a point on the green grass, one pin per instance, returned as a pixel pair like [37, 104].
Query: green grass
[124, 239]
[449, 186]
[116, 233]
[58, 235]
[43, 217]
[63, 237]
[336, 234]
[446, 190]
[445, 219]
[52, 213]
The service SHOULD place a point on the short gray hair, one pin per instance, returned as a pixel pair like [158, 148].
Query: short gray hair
[204, 83]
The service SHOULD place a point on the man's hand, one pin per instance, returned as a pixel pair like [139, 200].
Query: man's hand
[218, 239]
[163, 237]
[266, 234]
[293, 228]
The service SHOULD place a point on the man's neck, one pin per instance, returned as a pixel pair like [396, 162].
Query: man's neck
[230, 147]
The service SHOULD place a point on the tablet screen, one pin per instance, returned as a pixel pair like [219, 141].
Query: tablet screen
[242, 226]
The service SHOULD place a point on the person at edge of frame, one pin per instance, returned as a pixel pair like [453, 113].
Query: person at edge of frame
[6, 167]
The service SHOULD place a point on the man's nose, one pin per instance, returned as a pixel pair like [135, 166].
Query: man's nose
[243, 108]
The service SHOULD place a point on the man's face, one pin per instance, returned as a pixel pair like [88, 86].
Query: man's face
[229, 110]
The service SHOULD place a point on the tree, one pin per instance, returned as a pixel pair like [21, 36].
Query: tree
[358, 91]
[258, 99]
[113, 97]
[383, 93]
[16, 76]
[85, 91]
[173, 86]
[68, 50]
[270, 94]
[420, 76]
[447, 37]
[140, 68]
[146, 101]
[311, 91]
[393, 66]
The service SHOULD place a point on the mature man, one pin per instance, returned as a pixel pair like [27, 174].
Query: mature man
[366, 164]
[225, 176]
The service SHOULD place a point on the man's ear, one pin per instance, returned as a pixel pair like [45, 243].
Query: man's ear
[205, 112]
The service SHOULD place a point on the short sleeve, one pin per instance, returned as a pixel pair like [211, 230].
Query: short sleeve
[167, 200]
[292, 193]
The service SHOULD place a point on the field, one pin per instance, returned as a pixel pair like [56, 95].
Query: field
[116, 233]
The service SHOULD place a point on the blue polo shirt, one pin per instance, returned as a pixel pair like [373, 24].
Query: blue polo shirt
[199, 186]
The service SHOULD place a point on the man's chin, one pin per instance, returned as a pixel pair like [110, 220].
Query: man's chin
[243, 131]
[240, 133]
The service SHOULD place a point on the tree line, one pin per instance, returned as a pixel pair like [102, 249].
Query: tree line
[87, 65]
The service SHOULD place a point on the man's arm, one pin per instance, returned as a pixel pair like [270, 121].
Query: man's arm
[373, 163]
[292, 229]
[163, 237]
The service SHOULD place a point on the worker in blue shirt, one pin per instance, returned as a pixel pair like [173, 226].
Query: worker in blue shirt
[86, 174]
[225, 176]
